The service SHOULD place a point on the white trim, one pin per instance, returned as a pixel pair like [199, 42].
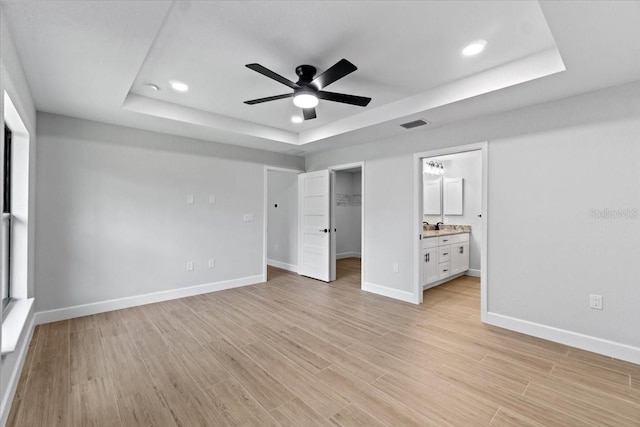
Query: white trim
[389, 292]
[120, 303]
[361, 165]
[14, 323]
[264, 212]
[440, 282]
[282, 265]
[14, 377]
[417, 205]
[344, 255]
[473, 273]
[562, 336]
[484, 254]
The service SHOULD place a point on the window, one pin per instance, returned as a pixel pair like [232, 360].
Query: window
[6, 220]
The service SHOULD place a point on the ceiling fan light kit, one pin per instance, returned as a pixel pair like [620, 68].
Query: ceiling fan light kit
[305, 98]
[308, 89]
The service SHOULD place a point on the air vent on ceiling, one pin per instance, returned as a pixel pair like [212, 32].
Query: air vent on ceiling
[414, 124]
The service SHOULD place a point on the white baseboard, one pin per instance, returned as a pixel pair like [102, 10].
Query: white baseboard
[14, 376]
[282, 265]
[473, 273]
[390, 292]
[348, 255]
[562, 336]
[120, 303]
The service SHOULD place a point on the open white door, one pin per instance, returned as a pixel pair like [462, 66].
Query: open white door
[315, 231]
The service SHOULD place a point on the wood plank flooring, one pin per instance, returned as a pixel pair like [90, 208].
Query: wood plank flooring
[298, 352]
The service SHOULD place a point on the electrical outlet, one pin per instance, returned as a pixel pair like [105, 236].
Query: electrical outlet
[396, 268]
[190, 199]
[247, 218]
[212, 263]
[212, 199]
[189, 265]
[595, 302]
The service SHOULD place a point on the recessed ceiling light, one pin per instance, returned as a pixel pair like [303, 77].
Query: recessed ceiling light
[296, 119]
[152, 87]
[178, 86]
[474, 48]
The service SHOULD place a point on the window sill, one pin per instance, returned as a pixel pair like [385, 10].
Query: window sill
[14, 323]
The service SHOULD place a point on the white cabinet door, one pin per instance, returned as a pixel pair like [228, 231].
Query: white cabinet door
[453, 195]
[314, 233]
[459, 257]
[430, 266]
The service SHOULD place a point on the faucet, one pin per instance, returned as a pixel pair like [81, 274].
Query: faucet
[438, 225]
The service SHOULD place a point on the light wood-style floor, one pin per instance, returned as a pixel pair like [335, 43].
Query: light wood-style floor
[298, 352]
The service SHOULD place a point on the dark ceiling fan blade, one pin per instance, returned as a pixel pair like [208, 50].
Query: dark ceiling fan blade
[360, 101]
[336, 72]
[275, 76]
[309, 113]
[268, 98]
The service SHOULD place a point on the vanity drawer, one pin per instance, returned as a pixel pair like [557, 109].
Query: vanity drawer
[459, 238]
[444, 253]
[428, 243]
[444, 270]
[444, 240]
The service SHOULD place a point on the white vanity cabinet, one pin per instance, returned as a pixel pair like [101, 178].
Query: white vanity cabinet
[430, 260]
[443, 257]
[459, 253]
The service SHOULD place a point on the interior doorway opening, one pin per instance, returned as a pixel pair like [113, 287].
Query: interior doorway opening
[347, 207]
[347, 219]
[332, 204]
[451, 220]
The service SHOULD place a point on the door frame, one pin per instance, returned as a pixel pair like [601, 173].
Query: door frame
[418, 209]
[265, 207]
[332, 259]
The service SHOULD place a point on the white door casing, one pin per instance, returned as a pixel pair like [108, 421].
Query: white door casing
[315, 218]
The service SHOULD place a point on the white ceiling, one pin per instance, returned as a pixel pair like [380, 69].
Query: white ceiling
[91, 59]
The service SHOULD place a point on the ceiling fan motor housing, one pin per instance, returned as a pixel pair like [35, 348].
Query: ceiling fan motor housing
[305, 74]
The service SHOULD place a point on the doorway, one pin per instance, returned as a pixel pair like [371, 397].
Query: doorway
[332, 223]
[280, 238]
[451, 218]
[347, 223]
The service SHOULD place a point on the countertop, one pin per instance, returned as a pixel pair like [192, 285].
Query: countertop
[446, 230]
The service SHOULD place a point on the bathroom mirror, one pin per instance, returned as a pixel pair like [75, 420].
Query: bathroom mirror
[432, 201]
[452, 196]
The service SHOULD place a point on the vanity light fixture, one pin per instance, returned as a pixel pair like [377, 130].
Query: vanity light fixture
[434, 167]
[474, 48]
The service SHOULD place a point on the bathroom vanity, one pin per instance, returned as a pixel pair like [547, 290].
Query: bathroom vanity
[445, 254]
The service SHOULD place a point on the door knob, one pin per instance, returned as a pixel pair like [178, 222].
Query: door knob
[325, 230]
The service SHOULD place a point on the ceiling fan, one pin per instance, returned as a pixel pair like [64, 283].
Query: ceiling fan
[308, 89]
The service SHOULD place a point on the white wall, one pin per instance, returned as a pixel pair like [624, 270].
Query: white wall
[348, 216]
[13, 81]
[114, 220]
[546, 254]
[282, 221]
